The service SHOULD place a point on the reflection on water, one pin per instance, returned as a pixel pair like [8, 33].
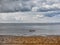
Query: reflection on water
[29, 29]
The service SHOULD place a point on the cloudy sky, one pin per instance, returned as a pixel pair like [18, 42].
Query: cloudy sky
[30, 11]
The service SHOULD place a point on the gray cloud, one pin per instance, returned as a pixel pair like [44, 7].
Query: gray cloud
[29, 5]
[52, 13]
[38, 11]
[14, 5]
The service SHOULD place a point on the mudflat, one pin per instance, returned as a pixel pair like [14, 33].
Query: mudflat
[29, 40]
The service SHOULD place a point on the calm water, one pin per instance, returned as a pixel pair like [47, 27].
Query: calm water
[26, 29]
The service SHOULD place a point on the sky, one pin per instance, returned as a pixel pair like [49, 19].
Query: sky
[30, 11]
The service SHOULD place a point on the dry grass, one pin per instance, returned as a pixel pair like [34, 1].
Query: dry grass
[32, 40]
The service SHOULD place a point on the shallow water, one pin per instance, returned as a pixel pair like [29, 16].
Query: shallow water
[24, 29]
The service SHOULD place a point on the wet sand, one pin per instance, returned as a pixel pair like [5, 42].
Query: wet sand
[29, 40]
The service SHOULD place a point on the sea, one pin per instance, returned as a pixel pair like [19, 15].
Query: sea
[29, 29]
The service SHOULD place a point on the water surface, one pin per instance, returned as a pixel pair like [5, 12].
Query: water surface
[29, 29]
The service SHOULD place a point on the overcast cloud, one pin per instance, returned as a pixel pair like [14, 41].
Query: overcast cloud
[30, 11]
[29, 5]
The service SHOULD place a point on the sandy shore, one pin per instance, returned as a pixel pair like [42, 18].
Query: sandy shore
[29, 40]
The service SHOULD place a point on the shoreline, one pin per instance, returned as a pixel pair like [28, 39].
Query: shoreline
[30, 40]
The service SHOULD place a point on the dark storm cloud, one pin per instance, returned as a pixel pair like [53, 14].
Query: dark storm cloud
[29, 5]
[14, 5]
[46, 10]
[52, 14]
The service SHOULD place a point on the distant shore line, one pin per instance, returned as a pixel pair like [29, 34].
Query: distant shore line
[31, 36]
[33, 23]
